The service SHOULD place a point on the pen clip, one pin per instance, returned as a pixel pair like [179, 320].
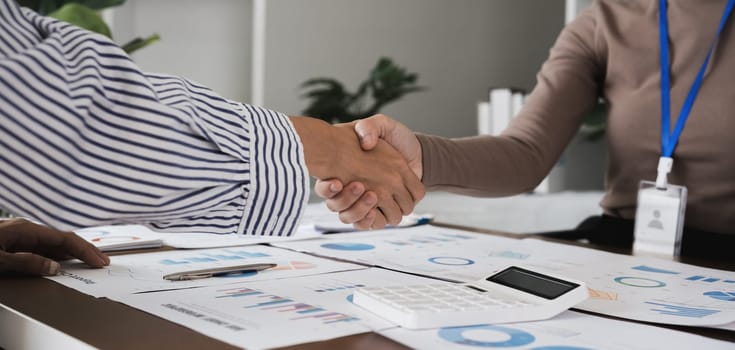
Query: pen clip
[206, 273]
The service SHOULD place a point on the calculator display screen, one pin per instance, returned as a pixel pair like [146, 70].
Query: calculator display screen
[532, 282]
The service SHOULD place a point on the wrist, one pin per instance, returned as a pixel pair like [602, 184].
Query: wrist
[314, 135]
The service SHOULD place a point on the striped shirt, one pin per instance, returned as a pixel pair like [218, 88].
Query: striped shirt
[87, 138]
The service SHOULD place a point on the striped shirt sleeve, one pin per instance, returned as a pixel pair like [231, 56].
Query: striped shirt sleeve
[88, 139]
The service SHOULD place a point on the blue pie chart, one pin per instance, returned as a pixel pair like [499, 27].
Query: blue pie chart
[514, 337]
[724, 296]
[348, 246]
[451, 260]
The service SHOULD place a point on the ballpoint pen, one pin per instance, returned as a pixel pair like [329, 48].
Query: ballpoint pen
[215, 271]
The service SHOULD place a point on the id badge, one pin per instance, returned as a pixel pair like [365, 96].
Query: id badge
[659, 219]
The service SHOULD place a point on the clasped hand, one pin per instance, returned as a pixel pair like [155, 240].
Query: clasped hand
[353, 201]
[335, 152]
[29, 248]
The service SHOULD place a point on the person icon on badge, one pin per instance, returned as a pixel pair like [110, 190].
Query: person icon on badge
[656, 223]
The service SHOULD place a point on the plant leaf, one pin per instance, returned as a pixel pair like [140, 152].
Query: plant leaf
[83, 17]
[386, 82]
[97, 4]
[139, 43]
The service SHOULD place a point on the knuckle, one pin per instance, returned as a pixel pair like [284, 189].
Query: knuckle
[347, 217]
[331, 205]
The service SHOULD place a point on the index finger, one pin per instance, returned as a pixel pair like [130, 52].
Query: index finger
[79, 248]
[23, 235]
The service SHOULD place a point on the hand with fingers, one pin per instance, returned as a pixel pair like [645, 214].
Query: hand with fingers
[356, 205]
[335, 152]
[33, 249]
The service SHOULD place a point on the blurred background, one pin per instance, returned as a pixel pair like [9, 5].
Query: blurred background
[458, 48]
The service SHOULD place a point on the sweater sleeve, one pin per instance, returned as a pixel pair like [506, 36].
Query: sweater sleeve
[568, 86]
[87, 138]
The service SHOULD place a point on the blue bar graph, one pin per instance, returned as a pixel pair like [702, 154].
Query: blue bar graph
[443, 238]
[221, 255]
[510, 255]
[330, 317]
[456, 236]
[238, 292]
[719, 295]
[695, 278]
[274, 300]
[654, 269]
[292, 309]
[173, 262]
[224, 257]
[246, 254]
[676, 310]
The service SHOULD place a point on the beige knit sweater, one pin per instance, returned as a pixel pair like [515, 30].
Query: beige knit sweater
[612, 50]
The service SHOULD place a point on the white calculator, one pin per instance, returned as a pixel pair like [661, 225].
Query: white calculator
[514, 294]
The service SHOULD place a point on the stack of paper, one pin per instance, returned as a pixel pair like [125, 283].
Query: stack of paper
[115, 238]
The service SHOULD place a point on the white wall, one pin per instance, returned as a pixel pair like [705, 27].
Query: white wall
[206, 41]
[458, 47]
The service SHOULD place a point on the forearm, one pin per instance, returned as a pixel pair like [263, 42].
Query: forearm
[516, 161]
[480, 166]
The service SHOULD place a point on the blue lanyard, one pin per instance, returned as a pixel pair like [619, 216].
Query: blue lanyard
[669, 141]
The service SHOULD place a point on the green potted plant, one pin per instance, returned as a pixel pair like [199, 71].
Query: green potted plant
[386, 83]
[84, 14]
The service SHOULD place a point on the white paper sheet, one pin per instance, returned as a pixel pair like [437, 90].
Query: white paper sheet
[568, 331]
[135, 273]
[268, 314]
[186, 240]
[115, 238]
[319, 218]
[440, 252]
[661, 291]
[255, 314]
[618, 288]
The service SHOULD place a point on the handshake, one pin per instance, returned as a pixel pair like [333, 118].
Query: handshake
[369, 170]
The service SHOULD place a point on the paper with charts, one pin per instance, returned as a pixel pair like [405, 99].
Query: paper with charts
[686, 295]
[661, 291]
[439, 252]
[133, 236]
[568, 331]
[267, 314]
[137, 273]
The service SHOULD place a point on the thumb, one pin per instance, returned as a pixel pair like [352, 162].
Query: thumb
[28, 263]
[369, 130]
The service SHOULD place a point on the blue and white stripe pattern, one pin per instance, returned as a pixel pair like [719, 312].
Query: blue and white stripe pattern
[88, 139]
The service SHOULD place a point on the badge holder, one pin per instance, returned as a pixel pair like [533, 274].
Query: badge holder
[659, 218]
